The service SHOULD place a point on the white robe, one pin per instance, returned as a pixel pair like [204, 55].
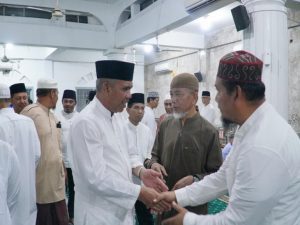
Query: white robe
[20, 132]
[149, 121]
[9, 184]
[66, 120]
[208, 112]
[139, 140]
[105, 193]
[261, 174]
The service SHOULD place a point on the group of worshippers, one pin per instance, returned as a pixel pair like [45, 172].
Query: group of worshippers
[35, 188]
[118, 170]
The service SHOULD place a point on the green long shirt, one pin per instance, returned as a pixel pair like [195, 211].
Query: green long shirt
[192, 148]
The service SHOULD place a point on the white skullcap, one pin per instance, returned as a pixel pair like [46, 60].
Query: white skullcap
[153, 94]
[46, 84]
[4, 91]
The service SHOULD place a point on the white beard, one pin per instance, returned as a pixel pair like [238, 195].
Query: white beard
[179, 115]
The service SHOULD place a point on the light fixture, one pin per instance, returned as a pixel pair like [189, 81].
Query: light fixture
[205, 23]
[202, 53]
[148, 48]
[9, 45]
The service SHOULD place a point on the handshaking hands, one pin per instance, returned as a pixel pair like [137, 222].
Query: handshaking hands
[155, 195]
[164, 202]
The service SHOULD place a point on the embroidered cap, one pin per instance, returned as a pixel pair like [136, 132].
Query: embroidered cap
[240, 66]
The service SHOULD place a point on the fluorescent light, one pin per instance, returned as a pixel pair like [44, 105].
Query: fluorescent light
[9, 45]
[148, 48]
[205, 23]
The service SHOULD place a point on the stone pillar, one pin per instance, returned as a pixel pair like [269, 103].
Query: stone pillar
[267, 38]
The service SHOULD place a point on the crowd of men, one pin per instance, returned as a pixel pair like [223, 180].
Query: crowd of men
[98, 167]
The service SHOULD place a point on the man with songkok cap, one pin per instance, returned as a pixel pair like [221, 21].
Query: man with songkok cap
[149, 117]
[19, 97]
[102, 164]
[66, 117]
[10, 183]
[50, 175]
[19, 131]
[208, 111]
[187, 146]
[139, 138]
[261, 172]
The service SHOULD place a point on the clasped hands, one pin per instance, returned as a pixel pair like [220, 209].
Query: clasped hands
[158, 198]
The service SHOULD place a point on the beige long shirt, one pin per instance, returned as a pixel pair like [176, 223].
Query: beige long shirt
[50, 183]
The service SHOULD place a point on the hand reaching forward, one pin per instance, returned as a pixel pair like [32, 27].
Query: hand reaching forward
[185, 181]
[159, 168]
[163, 201]
[178, 219]
[152, 179]
[147, 196]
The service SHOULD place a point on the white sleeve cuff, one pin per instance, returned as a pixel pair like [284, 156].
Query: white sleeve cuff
[182, 197]
[190, 218]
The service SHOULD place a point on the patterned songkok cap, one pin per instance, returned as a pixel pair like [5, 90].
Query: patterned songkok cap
[240, 66]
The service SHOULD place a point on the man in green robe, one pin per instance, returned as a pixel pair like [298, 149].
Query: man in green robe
[187, 146]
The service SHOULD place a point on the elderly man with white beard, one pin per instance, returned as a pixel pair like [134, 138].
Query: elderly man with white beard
[187, 146]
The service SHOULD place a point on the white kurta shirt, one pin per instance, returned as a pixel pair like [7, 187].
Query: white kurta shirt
[140, 140]
[19, 131]
[9, 184]
[105, 193]
[149, 121]
[66, 120]
[208, 112]
[261, 174]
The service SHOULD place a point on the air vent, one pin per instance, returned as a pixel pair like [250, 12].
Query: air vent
[192, 6]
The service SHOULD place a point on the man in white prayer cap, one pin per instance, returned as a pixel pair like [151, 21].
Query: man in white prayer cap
[50, 175]
[19, 131]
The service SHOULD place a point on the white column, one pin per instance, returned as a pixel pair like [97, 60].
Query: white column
[267, 38]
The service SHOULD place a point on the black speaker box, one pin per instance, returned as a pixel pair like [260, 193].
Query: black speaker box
[199, 76]
[240, 17]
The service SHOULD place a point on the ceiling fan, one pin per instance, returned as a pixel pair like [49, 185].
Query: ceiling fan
[157, 48]
[5, 59]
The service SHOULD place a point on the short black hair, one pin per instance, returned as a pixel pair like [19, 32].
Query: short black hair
[252, 91]
[43, 92]
[151, 98]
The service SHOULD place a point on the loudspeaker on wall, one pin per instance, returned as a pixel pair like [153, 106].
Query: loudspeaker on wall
[240, 17]
[199, 76]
